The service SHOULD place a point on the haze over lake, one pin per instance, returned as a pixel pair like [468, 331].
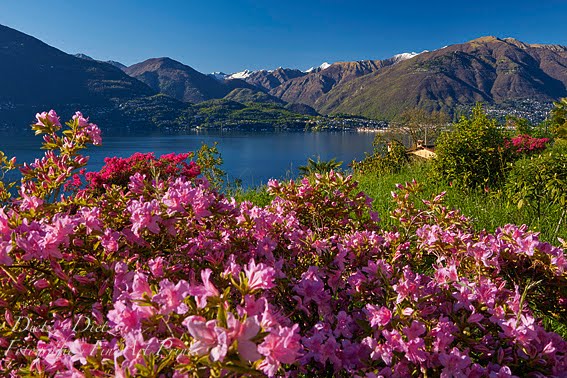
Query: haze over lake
[253, 157]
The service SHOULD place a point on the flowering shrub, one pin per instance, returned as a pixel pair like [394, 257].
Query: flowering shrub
[119, 170]
[526, 144]
[163, 276]
[43, 179]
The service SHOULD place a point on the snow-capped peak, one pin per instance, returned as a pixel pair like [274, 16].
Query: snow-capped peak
[218, 75]
[240, 75]
[405, 56]
[322, 67]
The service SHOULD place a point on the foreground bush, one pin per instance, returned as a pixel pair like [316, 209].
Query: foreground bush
[163, 276]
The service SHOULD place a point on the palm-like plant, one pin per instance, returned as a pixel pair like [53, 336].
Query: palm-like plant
[319, 166]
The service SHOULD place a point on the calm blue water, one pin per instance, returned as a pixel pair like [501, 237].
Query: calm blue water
[251, 157]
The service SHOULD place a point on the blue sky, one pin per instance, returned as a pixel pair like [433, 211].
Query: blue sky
[232, 35]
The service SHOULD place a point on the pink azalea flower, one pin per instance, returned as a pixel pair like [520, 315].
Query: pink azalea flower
[454, 364]
[81, 350]
[91, 219]
[311, 288]
[280, 346]
[30, 202]
[415, 330]
[93, 133]
[47, 118]
[415, 350]
[202, 292]
[81, 121]
[171, 297]
[244, 333]
[344, 325]
[259, 276]
[5, 248]
[140, 286]
[144, 215]
[109, 240]
[156, 266]
[378, 316]
[208, 338]
[136, 347]
[125, 318]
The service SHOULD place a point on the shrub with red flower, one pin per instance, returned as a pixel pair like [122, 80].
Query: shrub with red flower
[117, 171]
[526, 145]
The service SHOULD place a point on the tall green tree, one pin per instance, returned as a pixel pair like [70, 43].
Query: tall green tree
[472, 154]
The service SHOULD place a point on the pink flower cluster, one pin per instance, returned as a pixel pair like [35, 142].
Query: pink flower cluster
[46, 176]
[119, 170]
[526, 144]
[87, 129]
[163, 276]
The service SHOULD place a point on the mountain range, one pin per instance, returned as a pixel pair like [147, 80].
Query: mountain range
[487, 69]
[36, 76]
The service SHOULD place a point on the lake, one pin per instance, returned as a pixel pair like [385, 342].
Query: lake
[253, 157]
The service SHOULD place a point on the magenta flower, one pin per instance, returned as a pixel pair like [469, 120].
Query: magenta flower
[48, 119]
[41, 284]
[125, 318]
[378, 316]
[80, 119]
[259, 276]
[244, 333]
[454, 364]
[280, 346]
[61, 302]
[144, 215]
[171, 297]
[202, 292]
[80, 350]
[208, 338]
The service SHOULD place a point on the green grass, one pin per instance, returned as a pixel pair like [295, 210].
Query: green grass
[487, 210]
[258, 196]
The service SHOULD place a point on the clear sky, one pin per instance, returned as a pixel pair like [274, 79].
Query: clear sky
[232, 35]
